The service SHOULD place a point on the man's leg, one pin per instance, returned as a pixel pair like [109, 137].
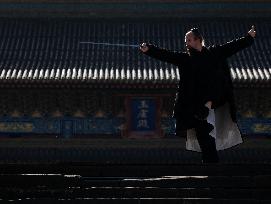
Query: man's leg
[206, 142]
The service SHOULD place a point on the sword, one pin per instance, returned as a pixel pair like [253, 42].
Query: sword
[111, 44]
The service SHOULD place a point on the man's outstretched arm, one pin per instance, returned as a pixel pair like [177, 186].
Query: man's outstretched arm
[163, 54]
[230, 48]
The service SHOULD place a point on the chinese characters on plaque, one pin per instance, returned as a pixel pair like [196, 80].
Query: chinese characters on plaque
[143, 114]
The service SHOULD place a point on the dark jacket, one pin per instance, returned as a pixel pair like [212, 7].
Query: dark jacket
[204, 76]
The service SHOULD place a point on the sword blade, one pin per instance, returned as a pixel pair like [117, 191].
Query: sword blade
[111, 44]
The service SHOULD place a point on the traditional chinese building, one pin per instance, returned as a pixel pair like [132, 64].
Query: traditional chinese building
[51, 85]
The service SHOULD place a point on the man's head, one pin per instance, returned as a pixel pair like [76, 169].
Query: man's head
[194, 39]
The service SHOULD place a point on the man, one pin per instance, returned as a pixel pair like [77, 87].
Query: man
[204, 104]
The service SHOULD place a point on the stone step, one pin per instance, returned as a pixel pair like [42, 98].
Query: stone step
[137, 169]
[136, 192]
[179, 182]
[26, 180]
[137, 183]
[72, 186]
[34, 180]
[144, 201]
[58, 180]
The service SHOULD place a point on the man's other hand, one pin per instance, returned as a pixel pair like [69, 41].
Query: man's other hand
[209, 104]
[252, 31]
[143, 47]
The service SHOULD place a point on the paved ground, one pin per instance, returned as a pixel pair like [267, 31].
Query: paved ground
[108, 150]
[249, 142]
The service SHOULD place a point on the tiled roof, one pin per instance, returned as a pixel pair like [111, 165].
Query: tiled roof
[49, 50]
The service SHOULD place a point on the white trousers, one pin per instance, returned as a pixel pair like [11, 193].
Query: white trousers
[225, 132]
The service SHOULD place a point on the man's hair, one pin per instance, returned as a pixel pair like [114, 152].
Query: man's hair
[197, 34]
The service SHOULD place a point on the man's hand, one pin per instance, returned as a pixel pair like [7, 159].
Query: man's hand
[252, 31]
[208, 104]
[143, 47]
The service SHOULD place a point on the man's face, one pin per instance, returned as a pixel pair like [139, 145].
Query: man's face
[191, 41]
